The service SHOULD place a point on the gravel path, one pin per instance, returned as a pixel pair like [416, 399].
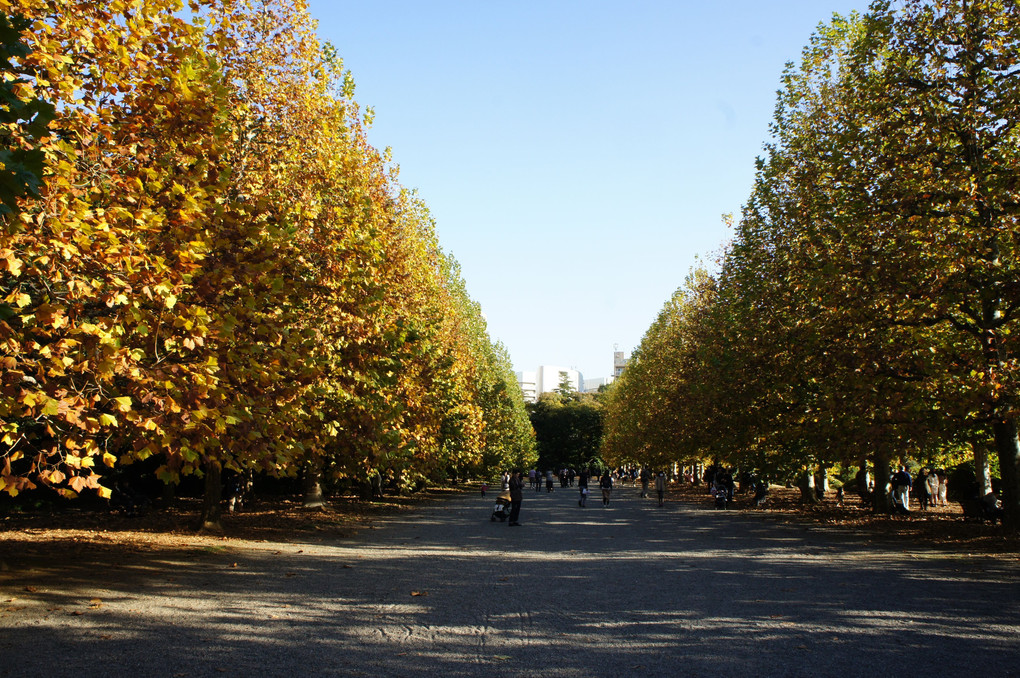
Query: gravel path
[629, 590]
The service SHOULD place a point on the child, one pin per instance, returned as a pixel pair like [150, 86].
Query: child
[484, 488]
[583, 501]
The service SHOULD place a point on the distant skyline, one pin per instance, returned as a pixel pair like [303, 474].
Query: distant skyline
[577, 156]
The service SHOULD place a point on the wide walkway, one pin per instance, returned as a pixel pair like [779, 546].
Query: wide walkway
[629, 590]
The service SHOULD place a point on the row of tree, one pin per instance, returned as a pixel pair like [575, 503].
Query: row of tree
[867, 307]
[204, 261]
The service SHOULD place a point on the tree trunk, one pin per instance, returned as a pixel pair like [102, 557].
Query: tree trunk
[169, 491]
[212, 502]
[863, 477]
[807, 487]
[982, 469]
[1008, 447]
[1005, 429]
[880, 501]
[311, 485]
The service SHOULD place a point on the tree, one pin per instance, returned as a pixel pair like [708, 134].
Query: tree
[218, 271]
[901, 169]
[568, 429]
[658, 411]
[24, 118]
[565, 386]
[868, 298]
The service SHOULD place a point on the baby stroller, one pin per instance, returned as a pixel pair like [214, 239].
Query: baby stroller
[502, 508]
[721, 498]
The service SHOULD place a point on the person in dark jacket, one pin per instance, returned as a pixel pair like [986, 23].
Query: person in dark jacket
[516, 497]
[901, 482]
[606, 483]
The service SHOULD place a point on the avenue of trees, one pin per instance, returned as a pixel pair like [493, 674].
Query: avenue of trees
[867, 308]
[204, 265]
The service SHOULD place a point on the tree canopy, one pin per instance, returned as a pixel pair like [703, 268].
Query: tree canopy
[204, 261]
[866, 306]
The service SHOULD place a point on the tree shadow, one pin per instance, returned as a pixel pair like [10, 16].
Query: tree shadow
[628, 590]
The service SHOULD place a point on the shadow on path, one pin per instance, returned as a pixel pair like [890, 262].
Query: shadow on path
[627, 590]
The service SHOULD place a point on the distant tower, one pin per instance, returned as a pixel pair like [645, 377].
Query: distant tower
[619, 362]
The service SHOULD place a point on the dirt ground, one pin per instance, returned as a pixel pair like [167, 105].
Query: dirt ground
[431, 586]
[943, 525]
[58, 535]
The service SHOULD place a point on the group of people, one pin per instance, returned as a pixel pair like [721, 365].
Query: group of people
[930, 487]
[536, 479]
[645, 476]
[514, 484]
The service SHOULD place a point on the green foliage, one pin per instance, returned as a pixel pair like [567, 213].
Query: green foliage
[568, 430]
[24, 119]
[657, 411]
[866, 306]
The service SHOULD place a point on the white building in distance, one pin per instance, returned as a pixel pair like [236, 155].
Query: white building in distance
[547, 379]
[593, 385]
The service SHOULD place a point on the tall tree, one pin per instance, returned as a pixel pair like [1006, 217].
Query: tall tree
[219, 271]
[903, 165]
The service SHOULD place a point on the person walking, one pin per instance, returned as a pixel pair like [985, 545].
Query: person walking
[516, 497]
[920, 489]
[606, 483]
[901, 482]
[933, 483]
[660, 487]
[646, 477]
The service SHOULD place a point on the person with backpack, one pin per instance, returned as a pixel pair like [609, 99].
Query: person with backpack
[646, 477]
[606, 483]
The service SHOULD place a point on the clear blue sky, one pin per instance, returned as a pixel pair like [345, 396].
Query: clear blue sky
[577, 155]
